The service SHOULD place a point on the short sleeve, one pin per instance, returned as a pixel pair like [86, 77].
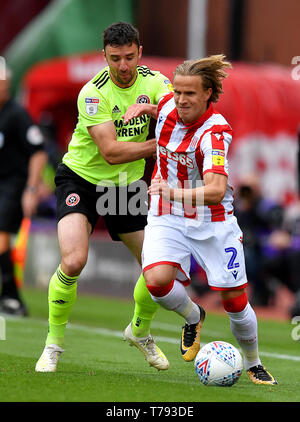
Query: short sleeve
[92, 107]
[28, 134]
[214, 147]
[163, 86]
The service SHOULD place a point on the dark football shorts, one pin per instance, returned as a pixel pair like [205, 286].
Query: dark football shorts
[11, 213]
[75, 194]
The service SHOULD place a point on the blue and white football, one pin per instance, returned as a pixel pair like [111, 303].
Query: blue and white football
[219, 363]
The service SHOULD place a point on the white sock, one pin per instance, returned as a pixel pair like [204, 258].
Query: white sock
[244, 328]
[177, 300]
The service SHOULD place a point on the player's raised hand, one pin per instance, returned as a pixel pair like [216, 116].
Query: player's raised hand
[160, 187]
[137, 110]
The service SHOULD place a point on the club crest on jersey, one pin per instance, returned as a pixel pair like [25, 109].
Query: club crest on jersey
[143, 99]
[91, 105]
[72, 199]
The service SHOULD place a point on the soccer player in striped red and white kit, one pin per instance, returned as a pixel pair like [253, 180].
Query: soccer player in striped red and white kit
[191, 212]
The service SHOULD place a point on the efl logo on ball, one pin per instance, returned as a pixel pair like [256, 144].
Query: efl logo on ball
[219, 364]
[72, 200]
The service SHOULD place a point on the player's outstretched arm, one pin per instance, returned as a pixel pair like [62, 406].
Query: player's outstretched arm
[137, 110]
[116, 152]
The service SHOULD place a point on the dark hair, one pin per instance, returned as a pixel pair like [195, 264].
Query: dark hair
[211, 69]
[120, 33]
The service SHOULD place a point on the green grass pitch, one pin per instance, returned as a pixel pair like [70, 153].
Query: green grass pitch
[98, 366]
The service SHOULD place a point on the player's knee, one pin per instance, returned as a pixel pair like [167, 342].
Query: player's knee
[235, 302]
[160, 290]
[74, 263]
[156, 277]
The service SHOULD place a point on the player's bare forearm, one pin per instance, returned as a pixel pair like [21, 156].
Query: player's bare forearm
[30, 196]
[126, 152]
[204, 195]
[118, 152]
[137, 110]
[211, 193]
[36, 164]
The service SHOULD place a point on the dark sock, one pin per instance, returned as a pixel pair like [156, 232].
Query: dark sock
[9, 287]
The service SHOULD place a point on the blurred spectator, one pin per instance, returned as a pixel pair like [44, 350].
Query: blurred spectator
[283, 261]
[22, 159]
[258, 217]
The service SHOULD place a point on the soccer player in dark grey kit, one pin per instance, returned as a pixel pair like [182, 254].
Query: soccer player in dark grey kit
[22, 159]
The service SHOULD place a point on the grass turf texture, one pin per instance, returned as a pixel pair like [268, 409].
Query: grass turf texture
[98, 366]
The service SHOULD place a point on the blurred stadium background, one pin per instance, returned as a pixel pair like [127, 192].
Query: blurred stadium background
[52, 48]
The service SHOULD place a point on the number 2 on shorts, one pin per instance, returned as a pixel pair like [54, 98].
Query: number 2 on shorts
[231, 264]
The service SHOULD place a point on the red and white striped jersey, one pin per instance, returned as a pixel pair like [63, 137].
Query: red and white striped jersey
[185, 153]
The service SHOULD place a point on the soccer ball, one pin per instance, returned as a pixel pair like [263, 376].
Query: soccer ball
[218, 363]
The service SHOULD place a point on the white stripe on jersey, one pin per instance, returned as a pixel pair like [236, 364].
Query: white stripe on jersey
[185, 153]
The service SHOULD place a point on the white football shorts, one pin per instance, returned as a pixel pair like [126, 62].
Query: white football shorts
[217, 247]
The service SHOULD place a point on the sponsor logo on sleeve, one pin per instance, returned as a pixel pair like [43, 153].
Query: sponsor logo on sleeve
[218, 157]
[169, 85]
[91, 105]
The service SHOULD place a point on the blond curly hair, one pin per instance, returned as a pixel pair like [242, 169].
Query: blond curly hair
[211, 70]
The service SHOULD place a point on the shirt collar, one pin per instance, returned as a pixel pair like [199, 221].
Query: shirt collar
[199, 122]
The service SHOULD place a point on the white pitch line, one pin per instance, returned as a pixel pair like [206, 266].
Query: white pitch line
[177, 329]
[113, 333]
[280, 356]
[119, 334]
